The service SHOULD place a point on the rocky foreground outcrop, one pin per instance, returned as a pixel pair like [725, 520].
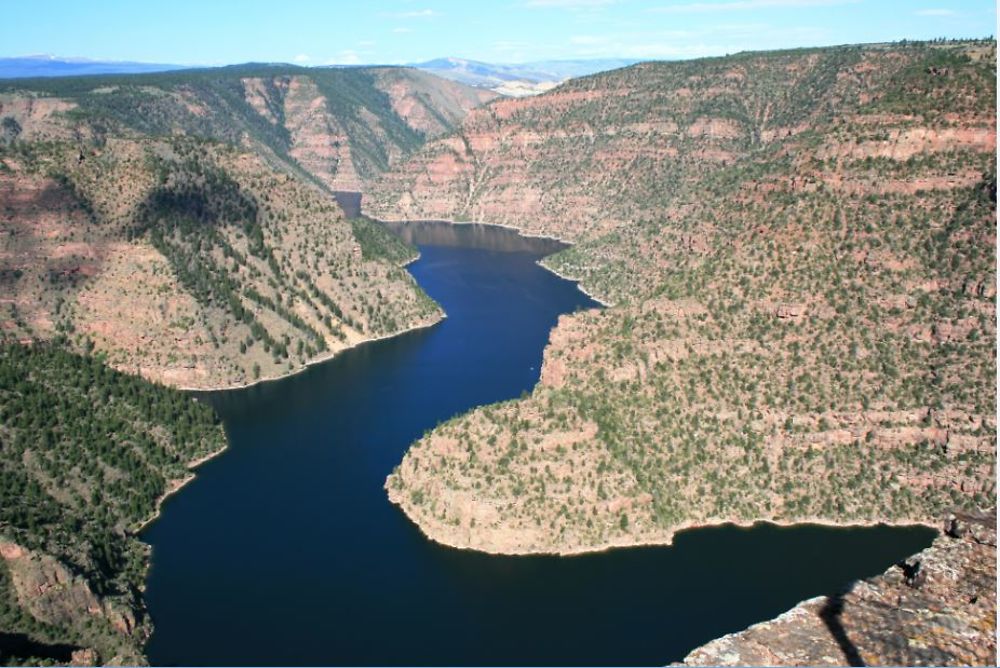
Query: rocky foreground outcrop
[52, 594]
[936, 608]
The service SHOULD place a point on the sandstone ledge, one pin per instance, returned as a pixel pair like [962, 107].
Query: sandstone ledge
[935, 608]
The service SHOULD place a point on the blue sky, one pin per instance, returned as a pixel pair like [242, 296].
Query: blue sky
[400, 31]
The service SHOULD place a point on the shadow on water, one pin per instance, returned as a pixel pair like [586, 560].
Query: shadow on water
[285, 550]
[473, 235]
[18, 647]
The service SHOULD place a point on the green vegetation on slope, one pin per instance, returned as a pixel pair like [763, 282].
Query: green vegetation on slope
[226, 173]
[193, 198]
[377, 242]
[212, 104]
[262, 264]
[86, 453]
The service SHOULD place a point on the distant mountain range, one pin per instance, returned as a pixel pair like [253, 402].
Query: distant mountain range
[518, 79]
[507, 79]
[53, 66]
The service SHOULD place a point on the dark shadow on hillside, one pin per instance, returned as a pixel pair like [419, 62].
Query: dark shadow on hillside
[349, 201]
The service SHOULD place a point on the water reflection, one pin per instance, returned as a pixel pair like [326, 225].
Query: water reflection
[473, 235]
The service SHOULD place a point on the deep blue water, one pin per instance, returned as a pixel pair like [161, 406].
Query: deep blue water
[285, 550]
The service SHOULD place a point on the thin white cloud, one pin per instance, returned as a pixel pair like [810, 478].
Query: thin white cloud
[677, 44]
[744, 5]
[345, 57]
[588, 40]
[568, 4]
[935, 12]
[302, 58]
[415, 14]
[401, 30]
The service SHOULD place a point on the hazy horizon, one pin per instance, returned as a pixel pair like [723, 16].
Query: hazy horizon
[191, 34]
[85, 59]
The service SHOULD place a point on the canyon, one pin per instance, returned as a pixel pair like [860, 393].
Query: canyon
[101, 179]
[800, 248]
[180, 228]
[797, 251]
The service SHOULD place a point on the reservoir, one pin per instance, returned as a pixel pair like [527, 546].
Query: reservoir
[285, 550]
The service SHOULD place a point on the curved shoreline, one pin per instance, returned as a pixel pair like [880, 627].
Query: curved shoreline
[177, 484]
[448, 221]
[528, 235]
[667, 540]
[579, 284]
[326, 357]
[441, 316]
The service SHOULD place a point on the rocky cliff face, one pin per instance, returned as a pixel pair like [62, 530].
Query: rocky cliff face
[800, 248]
[338, 143]
[317, 141]
[937, 608]
[57, 598]
[428, 104]
[606, 151]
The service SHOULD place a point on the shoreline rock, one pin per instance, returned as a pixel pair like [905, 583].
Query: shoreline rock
[440, 534]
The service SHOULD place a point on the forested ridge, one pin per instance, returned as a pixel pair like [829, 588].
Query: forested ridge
[85, 454]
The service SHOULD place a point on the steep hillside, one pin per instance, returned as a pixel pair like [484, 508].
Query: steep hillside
[337, 124]
[190, 262]
[182, 223]
[801, 250]
[347, 126]
[427, 103]
[87, 453]
[623, 146]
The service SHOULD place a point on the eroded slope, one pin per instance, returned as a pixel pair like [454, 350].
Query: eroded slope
[188, 260]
